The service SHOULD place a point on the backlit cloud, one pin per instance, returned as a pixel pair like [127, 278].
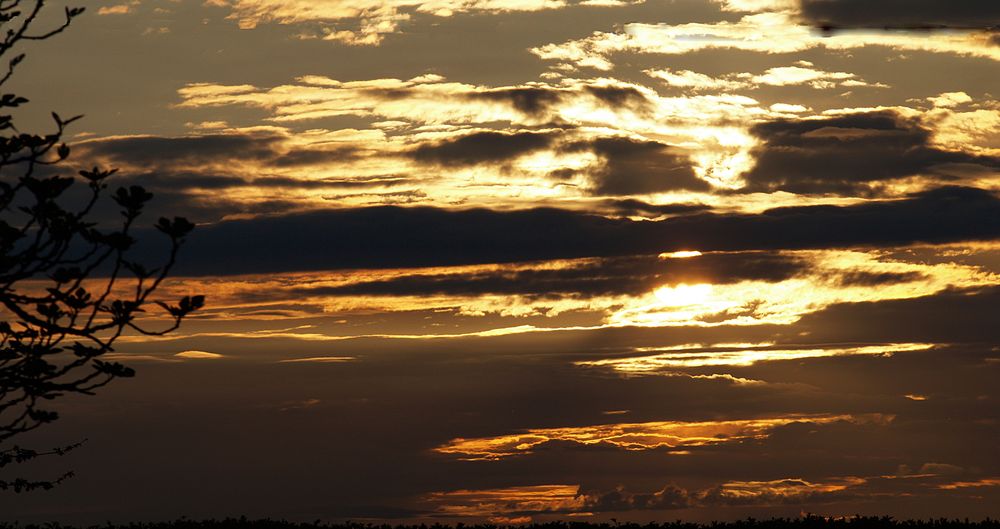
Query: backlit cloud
[851, 154]
[366, 22]
[515, 501]
[801, 74]
[643, 436]
[680, 357]
[766, 32]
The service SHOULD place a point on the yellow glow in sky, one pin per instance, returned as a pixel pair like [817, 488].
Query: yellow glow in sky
[683, 295]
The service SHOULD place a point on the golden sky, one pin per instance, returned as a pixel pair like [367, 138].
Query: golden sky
[524, 260]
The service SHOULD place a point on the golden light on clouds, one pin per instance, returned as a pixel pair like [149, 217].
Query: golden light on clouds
[635, 436]
[784, 302]
[493, 502]
[700, 129]
[198, 355]
[985, 482]
[700, 356]
[678, 299]
[684, 254]
[802, 73]
[320, 360]
[718, 150]
[783, 488]
[641, 259]
[371, 20]
[769, 32]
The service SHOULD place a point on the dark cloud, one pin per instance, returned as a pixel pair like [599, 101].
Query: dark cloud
[482, 147]
[154, 150]
[205, 196]
[209, 149]
[847, 155]
[536, 101]
[671, 497]
[904, 14]
[935, 216]
[179, 181]
[611, 276]
[393, 237]
[199, 196]
[529, 100]
[668, 498]
[952, 316]
[334, 183]
[639, 167]
[300, 157]
[182, 171]
[619, 96]
[865, 278]
[632, 206]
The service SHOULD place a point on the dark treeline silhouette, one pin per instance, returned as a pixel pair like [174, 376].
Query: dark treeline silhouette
[805, 522]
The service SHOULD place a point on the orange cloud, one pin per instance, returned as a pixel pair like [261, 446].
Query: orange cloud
[633, 436]
[504, 501]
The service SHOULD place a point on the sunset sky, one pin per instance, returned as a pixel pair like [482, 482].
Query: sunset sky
[525, 260]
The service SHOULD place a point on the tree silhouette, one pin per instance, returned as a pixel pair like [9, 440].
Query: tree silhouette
[69, 286]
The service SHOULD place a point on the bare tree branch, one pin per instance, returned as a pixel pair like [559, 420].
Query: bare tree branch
[69, 287]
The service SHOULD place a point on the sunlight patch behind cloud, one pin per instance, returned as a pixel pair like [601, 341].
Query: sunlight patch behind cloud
[662, 363]
[784, 302]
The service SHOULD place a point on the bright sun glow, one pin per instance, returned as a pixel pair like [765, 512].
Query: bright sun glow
[683, 295]
[686, 254]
